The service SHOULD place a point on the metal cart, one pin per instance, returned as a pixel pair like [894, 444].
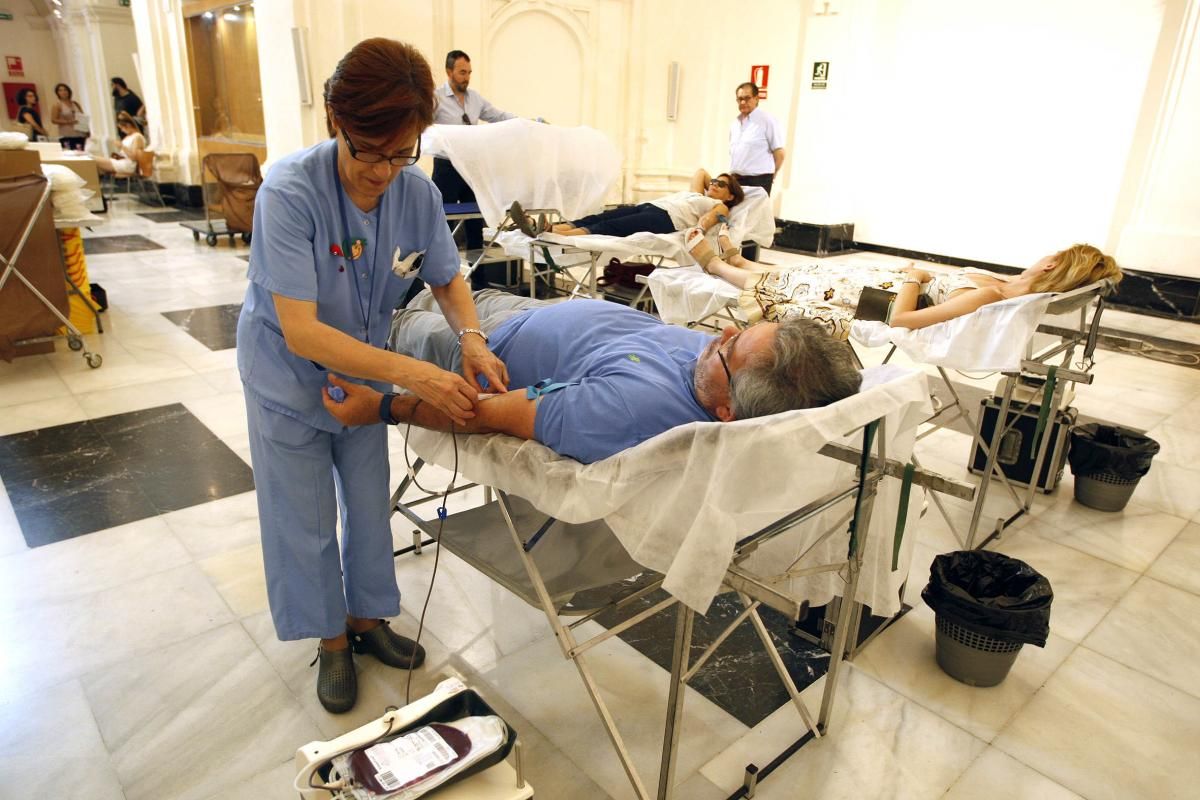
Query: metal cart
[228, 197]
[33, 291]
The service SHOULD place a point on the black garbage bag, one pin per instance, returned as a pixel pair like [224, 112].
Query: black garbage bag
[991, 594]
[1097, 448]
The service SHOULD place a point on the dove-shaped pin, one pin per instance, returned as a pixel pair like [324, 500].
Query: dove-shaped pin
[405, 266]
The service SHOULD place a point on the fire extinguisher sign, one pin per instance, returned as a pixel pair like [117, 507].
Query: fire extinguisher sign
[760, 76]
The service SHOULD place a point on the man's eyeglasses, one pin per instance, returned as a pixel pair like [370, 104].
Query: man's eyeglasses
[745, 99]
[724, 363]
[724, 184]
[375, 158]
[466, 120]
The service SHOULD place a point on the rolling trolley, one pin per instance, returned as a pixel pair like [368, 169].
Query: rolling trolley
[229, 198]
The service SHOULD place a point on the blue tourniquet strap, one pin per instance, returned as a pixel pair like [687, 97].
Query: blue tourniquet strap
[543, 387]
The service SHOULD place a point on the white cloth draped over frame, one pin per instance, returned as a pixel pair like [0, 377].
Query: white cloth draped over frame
[679, 502]
[535, 164]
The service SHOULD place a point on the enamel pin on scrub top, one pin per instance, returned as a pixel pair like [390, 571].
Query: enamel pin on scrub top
[406, 266]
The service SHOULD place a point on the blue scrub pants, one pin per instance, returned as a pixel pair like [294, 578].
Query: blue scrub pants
[300, 472]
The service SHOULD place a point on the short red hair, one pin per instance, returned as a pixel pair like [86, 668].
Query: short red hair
[380, 89]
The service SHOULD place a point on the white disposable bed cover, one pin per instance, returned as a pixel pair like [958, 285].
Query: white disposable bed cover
[679, 502]
[538, 165]
[993, 337]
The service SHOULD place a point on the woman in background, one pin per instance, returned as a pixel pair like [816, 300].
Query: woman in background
[27, 115]
[702, 205]
[67, 114]
[133, 144]
[829, 293]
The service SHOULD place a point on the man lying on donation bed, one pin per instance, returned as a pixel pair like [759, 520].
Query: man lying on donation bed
[598, 377]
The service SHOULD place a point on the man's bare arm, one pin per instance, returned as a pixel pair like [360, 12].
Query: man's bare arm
[511, 412]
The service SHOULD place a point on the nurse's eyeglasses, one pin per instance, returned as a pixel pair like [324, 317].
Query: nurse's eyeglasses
[375, 158]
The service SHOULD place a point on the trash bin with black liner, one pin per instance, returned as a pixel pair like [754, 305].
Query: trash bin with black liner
[988, 605]
[1107, 462]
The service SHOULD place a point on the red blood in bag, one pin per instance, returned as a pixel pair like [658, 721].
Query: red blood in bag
[364, 770]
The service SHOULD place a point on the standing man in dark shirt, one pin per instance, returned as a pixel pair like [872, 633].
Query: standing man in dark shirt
[459, 105]
[130, 103]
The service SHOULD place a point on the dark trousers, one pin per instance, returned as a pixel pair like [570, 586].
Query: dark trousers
[764, 181]
[626, 220]
[455, 190]
[73, 142]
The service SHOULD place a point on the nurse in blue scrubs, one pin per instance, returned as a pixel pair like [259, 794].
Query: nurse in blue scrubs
[340, 232]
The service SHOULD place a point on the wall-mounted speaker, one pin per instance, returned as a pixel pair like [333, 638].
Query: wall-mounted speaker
[673, 90]
[300, 48]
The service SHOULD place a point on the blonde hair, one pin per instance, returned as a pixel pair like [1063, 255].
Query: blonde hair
[1077, 266]
[123, 118]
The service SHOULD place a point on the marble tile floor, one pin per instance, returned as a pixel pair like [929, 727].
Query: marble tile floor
[140, 660]
[215, 327]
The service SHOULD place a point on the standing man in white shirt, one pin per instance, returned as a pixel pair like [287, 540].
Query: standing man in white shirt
[459, 105]
[755, 141]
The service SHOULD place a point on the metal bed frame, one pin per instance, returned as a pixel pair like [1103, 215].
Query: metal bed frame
[1036, 365]
[474, 538]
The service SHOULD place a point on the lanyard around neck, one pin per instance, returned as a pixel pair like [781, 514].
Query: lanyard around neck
[348, 246]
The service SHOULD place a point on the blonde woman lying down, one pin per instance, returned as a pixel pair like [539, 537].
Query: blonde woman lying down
[829, 293]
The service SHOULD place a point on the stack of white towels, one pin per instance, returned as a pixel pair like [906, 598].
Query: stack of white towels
[67, 192]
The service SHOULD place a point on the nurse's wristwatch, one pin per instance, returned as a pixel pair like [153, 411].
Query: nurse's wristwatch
[475, 331]
[385, 409]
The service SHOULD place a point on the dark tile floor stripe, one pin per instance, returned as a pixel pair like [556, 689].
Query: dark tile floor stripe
[215, 327]
[739, 677]
[70, 480]
[103, 245]
[183, 215]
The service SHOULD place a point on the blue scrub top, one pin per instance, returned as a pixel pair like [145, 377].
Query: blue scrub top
[633, 374]
[304, 248]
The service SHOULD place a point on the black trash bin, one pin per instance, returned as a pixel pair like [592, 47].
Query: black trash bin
[1108, 461]
[988, 606]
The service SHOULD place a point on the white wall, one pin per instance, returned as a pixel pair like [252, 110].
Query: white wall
[989, 131]
[1157, 226]
[27, 35]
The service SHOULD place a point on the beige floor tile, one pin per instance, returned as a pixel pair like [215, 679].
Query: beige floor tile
[903, 658]
[238, 576]
[1179, 564]
[197, 717]
[81, 566]
[40, 414]
[1108, 732]
[546, 689]
[1132, 538]
[880, 744]
[222, 525]
[1085, 587]
[1155, 629]
[50, 747]
[995, 772]
[60, 640]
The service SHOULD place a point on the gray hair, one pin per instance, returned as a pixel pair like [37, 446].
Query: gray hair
[808, 368]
